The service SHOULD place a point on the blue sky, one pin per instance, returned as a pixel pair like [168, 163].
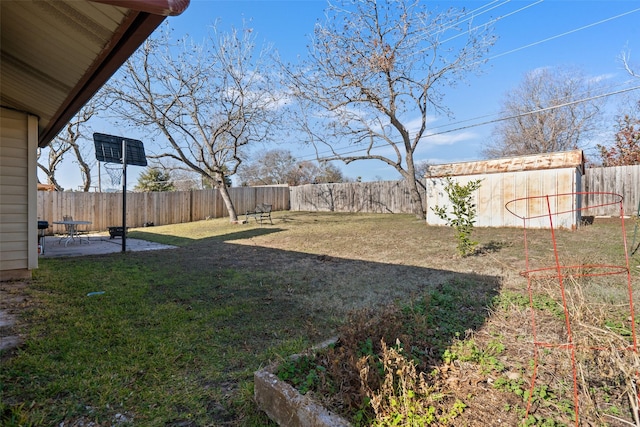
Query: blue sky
[589, 34]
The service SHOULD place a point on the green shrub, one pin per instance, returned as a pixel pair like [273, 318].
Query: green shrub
[464, 213]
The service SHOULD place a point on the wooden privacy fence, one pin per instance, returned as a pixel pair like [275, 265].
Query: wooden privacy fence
[105, 209]
[366, 197]
[623, 180]
[393, 196]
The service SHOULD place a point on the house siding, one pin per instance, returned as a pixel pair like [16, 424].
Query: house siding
[18, 240]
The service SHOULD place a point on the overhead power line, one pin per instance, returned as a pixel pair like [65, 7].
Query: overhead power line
[493, 21]
[517, 50]
[541, 110]
[566, 33]
[500, 119]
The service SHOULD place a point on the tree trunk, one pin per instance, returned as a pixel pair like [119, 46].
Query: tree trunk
[416, 198]
[224, 192]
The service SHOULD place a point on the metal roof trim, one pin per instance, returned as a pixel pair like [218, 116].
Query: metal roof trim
[156, 7]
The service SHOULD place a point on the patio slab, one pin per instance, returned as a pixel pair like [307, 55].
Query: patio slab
[97, 245]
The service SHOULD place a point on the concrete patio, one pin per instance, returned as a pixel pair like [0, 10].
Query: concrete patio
[95, 244]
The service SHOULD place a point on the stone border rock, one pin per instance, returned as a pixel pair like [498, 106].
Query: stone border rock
[286, 406]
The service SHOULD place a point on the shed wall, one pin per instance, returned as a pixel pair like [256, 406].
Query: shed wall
[496, 190]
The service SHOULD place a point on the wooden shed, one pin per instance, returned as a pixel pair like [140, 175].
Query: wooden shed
[522, 178]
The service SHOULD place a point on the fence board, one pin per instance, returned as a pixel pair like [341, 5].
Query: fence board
[366, 197]
[623, 180]
[105, 209]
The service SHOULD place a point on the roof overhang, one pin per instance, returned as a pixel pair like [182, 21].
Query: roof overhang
[55, 54]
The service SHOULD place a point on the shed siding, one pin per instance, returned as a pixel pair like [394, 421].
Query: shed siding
[18, 240]
[496, 190]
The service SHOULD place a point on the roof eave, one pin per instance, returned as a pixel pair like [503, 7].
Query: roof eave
[144, 17]
[133, 31]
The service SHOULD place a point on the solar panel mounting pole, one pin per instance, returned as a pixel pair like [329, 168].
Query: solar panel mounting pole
[124, 195]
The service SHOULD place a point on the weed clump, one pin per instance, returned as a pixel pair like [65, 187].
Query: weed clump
[405, 396]
[372, 384]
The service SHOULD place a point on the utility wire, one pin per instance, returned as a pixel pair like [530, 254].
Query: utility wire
[517, 50]
[609, 87]
[566, 33]
[566, 104]
[492, 21]
[471, 15]
[541, 110]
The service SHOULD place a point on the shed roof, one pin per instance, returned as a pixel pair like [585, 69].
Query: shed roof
[562, 159]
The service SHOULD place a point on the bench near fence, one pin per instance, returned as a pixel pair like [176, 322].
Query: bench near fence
[260, 213]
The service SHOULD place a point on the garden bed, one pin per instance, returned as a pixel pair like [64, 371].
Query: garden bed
[285, 405]
[410, 364]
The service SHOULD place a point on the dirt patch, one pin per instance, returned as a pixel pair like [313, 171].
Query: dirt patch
[13, 299]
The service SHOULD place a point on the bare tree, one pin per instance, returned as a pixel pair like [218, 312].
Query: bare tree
[268, 167]
[281, 167]
[68, 140]
[307, 172]
[546, 113]
[625, 149]
[184, 180]
[374, 73]
[205, 101]
[422, 169]
[625, 58]
[55, 154]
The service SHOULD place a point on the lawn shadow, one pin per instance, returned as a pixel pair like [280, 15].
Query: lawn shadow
[320, 291]
[237, 306]
[492, 246]
[185, 241]
[293, 295]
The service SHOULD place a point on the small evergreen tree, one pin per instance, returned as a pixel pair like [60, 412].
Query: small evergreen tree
[464, 213]
[154, 179]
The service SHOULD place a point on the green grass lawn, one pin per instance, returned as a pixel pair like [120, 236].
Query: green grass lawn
[173, 336]
[159, 346]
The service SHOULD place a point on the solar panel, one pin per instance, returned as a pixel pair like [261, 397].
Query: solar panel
[109, 149]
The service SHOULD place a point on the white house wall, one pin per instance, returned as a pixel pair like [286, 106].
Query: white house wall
[18, 203]
[498, 189]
